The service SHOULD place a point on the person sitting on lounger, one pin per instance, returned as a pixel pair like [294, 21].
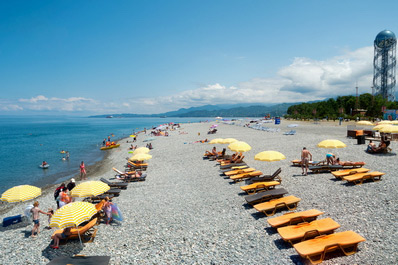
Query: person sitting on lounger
[380, 149]
[212, 153]
[58, 236]
[222, 153]
[371, 147]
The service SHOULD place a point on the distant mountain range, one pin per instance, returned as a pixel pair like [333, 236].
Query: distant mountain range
[223, 110]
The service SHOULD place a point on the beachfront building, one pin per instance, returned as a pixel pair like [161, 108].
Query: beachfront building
[384, 63]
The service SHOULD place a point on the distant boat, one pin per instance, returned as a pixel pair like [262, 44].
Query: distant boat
[109, 116]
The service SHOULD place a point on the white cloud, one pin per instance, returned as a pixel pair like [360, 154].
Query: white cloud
[34, 99]
[305, 79]
[10, 107]
[43, 103]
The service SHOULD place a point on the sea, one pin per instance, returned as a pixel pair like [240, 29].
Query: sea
[27, 141]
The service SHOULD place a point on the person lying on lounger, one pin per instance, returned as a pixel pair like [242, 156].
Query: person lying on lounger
[135, 176]
[343, 163]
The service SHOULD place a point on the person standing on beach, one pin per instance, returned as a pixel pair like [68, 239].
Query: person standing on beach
[57, 192]
[64, 198]
[71, 184]
[306, 157]
[108, 210]
[330, 158]
[82, 171]
[36, 221]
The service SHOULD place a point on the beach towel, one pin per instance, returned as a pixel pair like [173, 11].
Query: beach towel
[27, 211]
[116, 213]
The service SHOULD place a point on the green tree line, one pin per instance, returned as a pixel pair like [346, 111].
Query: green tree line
[342, 106]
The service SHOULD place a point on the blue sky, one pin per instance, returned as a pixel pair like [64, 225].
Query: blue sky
[90, 57]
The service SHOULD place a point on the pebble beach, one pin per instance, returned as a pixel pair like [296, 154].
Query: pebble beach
[187, 213]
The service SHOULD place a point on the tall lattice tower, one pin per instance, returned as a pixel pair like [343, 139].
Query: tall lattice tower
[384, 63]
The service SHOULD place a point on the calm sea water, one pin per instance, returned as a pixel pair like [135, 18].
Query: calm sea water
[27, 141]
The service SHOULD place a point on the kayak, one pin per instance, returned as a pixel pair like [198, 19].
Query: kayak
[110, 147]
[45, 166]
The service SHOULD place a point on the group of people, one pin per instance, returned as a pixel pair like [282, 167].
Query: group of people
[149, 146]
[108, 142]
[383, 145]
[62, 195]
[331, 159]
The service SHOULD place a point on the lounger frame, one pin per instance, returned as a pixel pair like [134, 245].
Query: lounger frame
[367, 176]
[348, 249]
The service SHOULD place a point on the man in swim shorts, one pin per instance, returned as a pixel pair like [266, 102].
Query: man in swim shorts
[306, 157]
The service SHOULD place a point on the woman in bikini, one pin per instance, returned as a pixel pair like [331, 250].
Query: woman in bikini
[82, 170]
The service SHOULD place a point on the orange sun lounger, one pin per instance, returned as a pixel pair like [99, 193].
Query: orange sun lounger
[297, 163]
[345, 172]
[316, 249]
[242, 176]
[239, 171]
[293, 218]
[360, 177]
[253, 188]
[87, 231]
[304, 231]
[269, 208]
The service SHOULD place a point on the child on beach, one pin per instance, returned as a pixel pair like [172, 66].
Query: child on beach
[108, 210]
[36, 221]
[50, 214]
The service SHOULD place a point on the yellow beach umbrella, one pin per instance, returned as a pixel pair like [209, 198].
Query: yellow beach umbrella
[384, 122]
[228, 141]
[216, 141]
[395, 122]
[269, 156]
[89, 189]
[73, 214]
[140, 157]
[239, 146]
[332, 144]
[141, 150]
[389, 129]
[21, 193]
[364, 123]
[379, 127]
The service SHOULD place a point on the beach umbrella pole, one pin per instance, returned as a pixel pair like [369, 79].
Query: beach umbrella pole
[81, 243]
